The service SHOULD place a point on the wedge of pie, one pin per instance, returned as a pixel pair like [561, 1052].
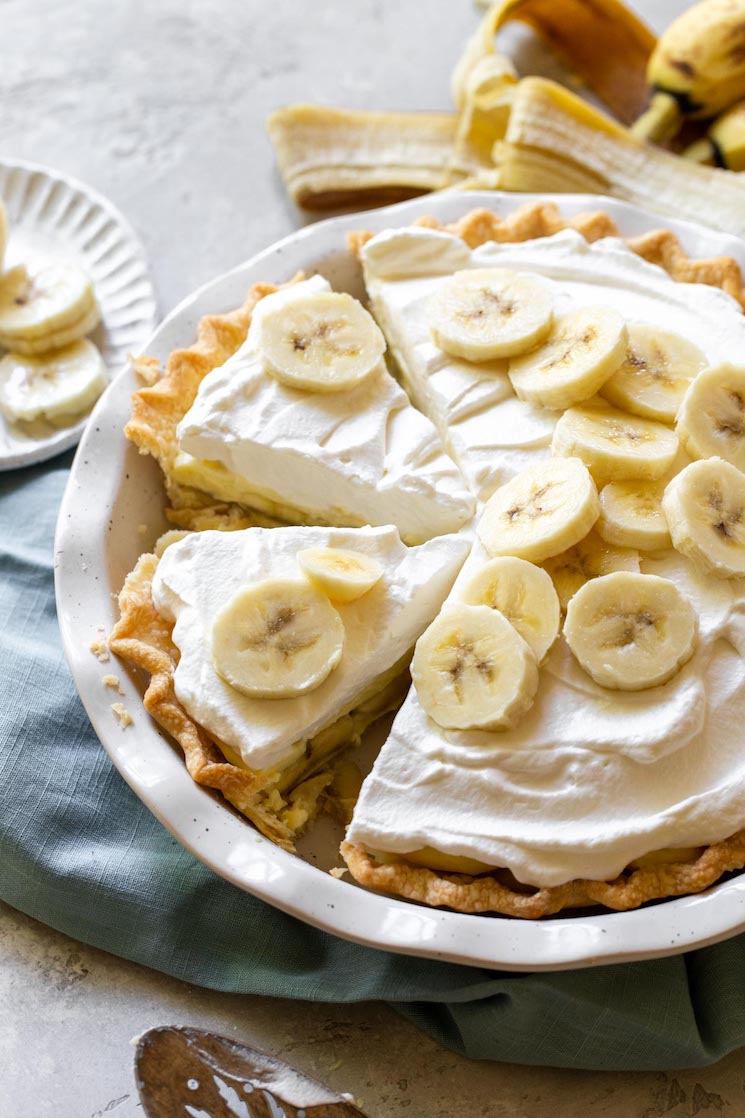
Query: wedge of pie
[304, 425]
[272, 650]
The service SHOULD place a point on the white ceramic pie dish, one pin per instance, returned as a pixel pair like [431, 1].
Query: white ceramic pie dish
[112, 512]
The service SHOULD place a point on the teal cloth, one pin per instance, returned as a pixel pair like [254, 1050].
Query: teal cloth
[80, 852]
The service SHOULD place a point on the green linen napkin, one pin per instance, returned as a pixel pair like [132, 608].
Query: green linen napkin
[80, 852]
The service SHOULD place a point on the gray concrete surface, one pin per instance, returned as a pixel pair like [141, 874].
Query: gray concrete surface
[161, 105]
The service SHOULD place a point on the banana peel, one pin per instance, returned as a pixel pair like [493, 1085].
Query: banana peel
[601, 41]
[556, 142]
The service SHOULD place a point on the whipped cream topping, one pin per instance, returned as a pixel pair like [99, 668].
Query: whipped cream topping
[489, 432]
[360, 456]
[591, 778]
[199, 574]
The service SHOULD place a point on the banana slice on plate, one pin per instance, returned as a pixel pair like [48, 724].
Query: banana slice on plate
[47, 308]
[614, 445]
[54, 385]
[705, 509]
[541, 511]
[631, 631]
[524, 594]
[711, 422]
[277, 639]
[582, 351]
[341, 574]
[473, 671]
[653, 377]
[592, 557]
[488, 313]
[324, 342]
[631, 515]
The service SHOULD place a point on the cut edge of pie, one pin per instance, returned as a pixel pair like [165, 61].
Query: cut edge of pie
[144, 639]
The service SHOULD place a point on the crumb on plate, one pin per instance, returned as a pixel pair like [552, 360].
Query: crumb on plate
[122, 715]
[112, 681]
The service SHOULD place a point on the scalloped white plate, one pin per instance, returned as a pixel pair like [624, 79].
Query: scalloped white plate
[112, 511]
[53, 216]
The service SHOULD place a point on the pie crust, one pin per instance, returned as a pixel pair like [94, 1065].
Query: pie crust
[144, 639]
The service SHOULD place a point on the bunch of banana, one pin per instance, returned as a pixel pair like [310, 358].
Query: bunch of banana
[724, 143]
[555, 141]
[697, 68]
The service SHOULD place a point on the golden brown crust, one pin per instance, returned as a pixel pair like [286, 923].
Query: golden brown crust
[143, 637]
[158, 408]
[543, 219]
[489, 894]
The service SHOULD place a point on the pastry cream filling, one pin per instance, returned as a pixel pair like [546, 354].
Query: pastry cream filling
[199, 574]
[591, 780]
[359, 456]
[489, 432]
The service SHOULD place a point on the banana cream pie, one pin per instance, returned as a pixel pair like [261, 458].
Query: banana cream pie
[271, 650]
[568, 739]
[304, 425]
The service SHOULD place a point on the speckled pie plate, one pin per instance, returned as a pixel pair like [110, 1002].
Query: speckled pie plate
[53, 216]
[112, 511]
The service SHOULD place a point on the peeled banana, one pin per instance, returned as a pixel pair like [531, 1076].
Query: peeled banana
[277, 639]
[524, 594]
[614, 445]
[485, 313]
[705, 510]
[555, 141]
[631, 631]
[697, 68]
[473, 671]
[343, 575]
[321, 342]
[541, 511]
[582, 351]
[47, 308]
[711, 422]
[54, 385]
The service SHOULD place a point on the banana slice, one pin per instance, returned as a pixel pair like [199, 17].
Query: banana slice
[277, 639]
[324, 342]
[473, 671]
[613, 445]
[62, 383]
[341, 574]
[591, 558]
[541, 511]
[584, 348]
[652, 379]
[631, 631]
[490, 312]
[524, 594]
[46, 309]
[705, 509]
[631, 515]
[711, 422]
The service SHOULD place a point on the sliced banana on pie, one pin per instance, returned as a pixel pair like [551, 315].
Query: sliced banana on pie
[631, 631]
[320, 342]
[62, 383]
[631, 515]
[277, 639]
[541, 511]
[524, 594]
[582, 351]
[711, 422]
[705, 510]
[473, 671]
[653, 377]
[591, 558]
[613, 445]
[46, 308]
[486, 313]
[342, 575]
